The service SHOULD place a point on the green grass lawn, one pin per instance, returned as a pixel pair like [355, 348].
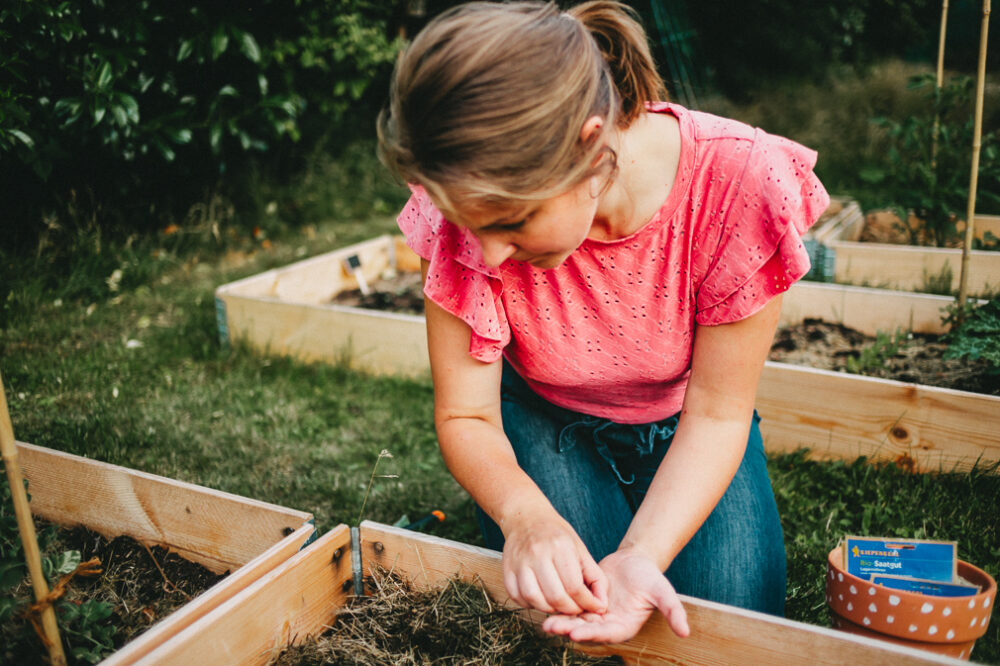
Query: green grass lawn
[136, 376]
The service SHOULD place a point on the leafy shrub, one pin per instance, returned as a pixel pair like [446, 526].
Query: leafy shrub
[976, 336]
[929, 159]
[131, 110]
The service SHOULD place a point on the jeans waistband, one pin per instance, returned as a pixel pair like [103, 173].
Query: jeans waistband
[613, 441]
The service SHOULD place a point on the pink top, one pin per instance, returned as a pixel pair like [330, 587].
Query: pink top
[610, 331]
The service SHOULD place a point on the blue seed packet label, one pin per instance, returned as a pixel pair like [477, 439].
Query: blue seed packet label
[913, 558]
[929, 587]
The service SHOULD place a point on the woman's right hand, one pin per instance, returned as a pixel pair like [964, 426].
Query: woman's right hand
[547, 567]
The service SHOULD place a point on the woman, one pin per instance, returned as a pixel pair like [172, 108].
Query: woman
[603, 273]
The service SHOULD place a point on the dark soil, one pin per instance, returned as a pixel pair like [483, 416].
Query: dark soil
[815, 343]
[903, 357]
[399, 293]
[142, 586]
[456, 624]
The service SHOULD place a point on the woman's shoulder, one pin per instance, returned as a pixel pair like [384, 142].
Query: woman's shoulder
[434, 238]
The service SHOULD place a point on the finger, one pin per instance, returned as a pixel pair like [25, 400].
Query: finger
[570, 593]
[670, 605]
[561, 624]
[602, 631]
[531, 591]
[513, 589]
[557, 583]
[596, 581]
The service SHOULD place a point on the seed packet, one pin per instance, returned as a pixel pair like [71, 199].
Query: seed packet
[912, 558]
[930, 587]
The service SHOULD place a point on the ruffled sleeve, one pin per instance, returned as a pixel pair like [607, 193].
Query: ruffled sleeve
[457, 278]
[759, 252]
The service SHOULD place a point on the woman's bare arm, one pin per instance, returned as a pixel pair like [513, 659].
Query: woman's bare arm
[546, 565]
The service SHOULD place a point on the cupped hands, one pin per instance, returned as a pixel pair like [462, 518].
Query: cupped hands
[636, 588]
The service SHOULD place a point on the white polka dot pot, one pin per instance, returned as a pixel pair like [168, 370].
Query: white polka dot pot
[948, 625]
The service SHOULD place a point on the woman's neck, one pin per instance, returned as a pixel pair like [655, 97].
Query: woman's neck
[648, 154]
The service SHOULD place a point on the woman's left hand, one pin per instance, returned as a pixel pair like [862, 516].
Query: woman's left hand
[636, 587]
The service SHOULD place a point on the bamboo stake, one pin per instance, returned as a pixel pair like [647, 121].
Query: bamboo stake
[977, 133]
[26, 527]
[939, 83]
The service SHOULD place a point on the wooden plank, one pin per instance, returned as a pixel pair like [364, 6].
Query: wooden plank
[719, 634]
[366, 340]
[219, 530]
[318, 279]
[864, 309]
[834, 226]
[844, 230]
[291, 603]
[842, 416]
[406, 259]
[909, 268]
[173, 624]
[986, 223]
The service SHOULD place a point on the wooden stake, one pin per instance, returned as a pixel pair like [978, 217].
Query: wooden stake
[939, 82]
[977, 133]
[26, 527]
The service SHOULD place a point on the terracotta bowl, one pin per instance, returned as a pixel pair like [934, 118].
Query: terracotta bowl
[944, 621]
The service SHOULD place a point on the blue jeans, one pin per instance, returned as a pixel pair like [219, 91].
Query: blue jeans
[596, 473]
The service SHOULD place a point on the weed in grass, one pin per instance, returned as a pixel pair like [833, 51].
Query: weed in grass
[383, 454]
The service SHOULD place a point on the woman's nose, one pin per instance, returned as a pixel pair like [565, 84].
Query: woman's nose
[495, 251]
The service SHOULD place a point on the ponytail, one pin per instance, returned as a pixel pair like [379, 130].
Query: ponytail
[622, 42]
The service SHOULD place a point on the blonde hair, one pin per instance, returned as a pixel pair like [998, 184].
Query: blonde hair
[487, 104]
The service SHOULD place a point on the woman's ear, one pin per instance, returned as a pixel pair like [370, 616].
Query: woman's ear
[591, 128]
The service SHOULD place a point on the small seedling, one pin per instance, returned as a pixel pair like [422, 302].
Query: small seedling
[875, 355]
[382, 454]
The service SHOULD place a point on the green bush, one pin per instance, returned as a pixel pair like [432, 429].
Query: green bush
[929, 160]
[976, 336]
[127, 112]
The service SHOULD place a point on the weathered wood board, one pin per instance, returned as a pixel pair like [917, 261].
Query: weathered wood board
[287, 312]
[295, 601]
[842, 416]
[221, 531]
[299, 598]
[909, 268]
[865, 309]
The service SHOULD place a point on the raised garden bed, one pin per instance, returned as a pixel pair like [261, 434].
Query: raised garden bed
[291, 311]
[300, 598]
[224, 533]
[850, 260]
